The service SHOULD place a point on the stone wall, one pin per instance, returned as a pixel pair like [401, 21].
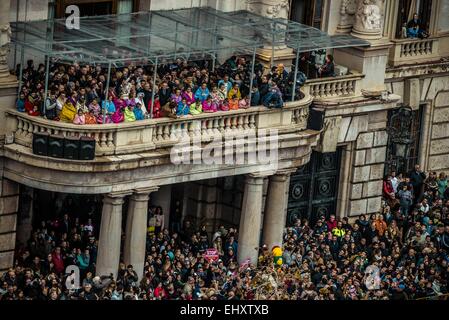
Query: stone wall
[431, 92]
[9, 201]
[364, 139]
[439, 142]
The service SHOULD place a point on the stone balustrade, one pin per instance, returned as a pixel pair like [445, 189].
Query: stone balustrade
[145, 135]
[334, 87]
[412, 51]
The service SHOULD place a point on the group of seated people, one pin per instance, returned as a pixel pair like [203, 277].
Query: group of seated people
[415, 28]
[77, 93]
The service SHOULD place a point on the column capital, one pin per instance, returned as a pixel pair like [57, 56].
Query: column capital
[115, 198]
[256, 178]
[143, 194]
[283, 174]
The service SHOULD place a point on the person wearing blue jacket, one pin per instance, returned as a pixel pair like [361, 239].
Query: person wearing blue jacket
[202, 92]
[183, 108]
[20, 104]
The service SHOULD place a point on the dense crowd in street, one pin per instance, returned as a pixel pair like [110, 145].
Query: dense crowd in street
[400, 252]
[77, 93]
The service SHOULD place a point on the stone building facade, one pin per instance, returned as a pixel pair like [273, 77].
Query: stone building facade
[336, 170]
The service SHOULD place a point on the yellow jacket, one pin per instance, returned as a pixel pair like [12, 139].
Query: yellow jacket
[68, 112]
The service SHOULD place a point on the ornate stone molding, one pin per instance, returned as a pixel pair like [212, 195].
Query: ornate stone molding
[347, 16]
[269, 8]
[369, 19]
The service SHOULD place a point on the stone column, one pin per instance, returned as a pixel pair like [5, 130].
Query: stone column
[9, 203]
[348, 9]
[273, 9]
[136, 229]
[8, 83]
[276, 209]
[110, 234]
[5, 35]
[369, 19]
[251, 219]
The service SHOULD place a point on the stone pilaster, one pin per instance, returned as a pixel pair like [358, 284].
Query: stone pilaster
[110, 235]
[136, 230]
[251, 219]
[9, 203]
[25, 215]
[276, 209]
[8, 83]
[369, 156]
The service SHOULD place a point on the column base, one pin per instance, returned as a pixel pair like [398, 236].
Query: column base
[344, 29]
[367, 34]
[281, 55]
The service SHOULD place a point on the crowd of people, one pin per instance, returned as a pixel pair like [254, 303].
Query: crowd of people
[77, 93]
[404, 247]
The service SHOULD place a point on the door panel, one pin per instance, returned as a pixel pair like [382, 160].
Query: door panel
[314, 188]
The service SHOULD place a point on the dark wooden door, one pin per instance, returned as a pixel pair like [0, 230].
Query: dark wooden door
[314, 188]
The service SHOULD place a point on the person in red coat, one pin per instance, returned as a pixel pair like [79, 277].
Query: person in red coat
[331, 223]
[58, 260]
[388, 190]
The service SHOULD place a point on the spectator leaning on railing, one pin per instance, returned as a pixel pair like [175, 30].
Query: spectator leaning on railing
[75, 87]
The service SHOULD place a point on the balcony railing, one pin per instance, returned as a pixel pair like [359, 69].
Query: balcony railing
[334, 87]
[412, 51]
[146, 135]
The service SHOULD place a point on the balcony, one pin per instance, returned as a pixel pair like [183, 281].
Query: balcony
[335, 87]
[141, 136]
[413, 51]
[139, 153]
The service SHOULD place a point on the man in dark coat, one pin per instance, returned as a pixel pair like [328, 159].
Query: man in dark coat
[417, 178]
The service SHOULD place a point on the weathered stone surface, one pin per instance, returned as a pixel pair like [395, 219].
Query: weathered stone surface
[377, 171]
[359, 159]
[378, 116]
[6, 260]
[9, 188]
[439, 146]
[365, 140]
[9, 204]
[442, 99]
[440, 130]
[361, 174]
[344, 126]
[8, 223]
[358, 207]
[7, 241]
[374, 204]
[380, 138]
[358, 124]
[356, 190]
[436, 87]
[328, 141]
[439, 162]
[411, 93]
[376, 155]
[372, 188]
[441, 114]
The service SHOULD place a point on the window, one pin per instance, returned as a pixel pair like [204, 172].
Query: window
[98, 7]
[406, 10]
[307, 12]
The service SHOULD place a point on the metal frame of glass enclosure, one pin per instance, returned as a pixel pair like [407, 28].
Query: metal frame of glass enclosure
[154, 37]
